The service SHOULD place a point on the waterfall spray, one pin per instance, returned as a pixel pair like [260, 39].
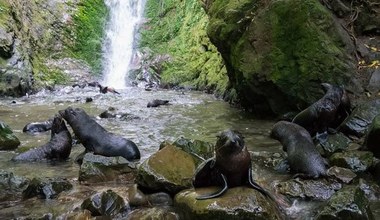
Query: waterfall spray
[118, 47]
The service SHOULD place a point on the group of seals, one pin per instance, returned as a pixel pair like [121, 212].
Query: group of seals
[327, 112]
[58, 148]
[303, 157]
[230, 167]
[95, 138]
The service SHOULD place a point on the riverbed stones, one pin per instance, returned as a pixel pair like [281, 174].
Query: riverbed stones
[98, 168]
[106, 203]
[357, 161]
[349, 203]
[344, 175]
[236, 203]
[319, 189]
[335, 143]
[8, 140]
[169, 169]
[11, 185]
[46, 188]
[358, 122]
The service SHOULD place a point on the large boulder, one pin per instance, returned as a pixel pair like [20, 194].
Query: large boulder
[98, 168]
[348, 203]
[236, 203]
[8, 141]
[361, 118]
[277, 52]
[170, 169]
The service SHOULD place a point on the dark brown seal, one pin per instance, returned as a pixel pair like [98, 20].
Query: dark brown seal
[157, 102]
[303, 157]
[96, 139]
[327, 112]
[230, 167]
[36, 127]
[58, 148]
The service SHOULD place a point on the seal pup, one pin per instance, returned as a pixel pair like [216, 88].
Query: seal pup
[36, 127]
[97, 139]
[303, 157]
[157, 102]
[230, 167]
[59, 146]
[326, 113]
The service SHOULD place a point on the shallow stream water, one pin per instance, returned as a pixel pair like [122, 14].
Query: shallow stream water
[193, 115]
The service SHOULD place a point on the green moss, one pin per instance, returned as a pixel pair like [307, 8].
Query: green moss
[4, 13]
[88, 30]
[178, 28]
[47, 75]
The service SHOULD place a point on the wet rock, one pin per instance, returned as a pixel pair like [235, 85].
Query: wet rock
[15, 82]
[97, 168]
[376, 172]
[374, 82]
[106, 203]
[47, 188]
[170, 169]
[371, 189]
[348, 203]
[160, 199]
[6, 43]
[335, 143]
[342, 174]
[360, 119]
[8, 141]
[197, 148]
[357, 161]
[11, 186]
[372, 141]
[153, 213]
[77, 215]
[236, 203]
[136, 197]
[319, 189]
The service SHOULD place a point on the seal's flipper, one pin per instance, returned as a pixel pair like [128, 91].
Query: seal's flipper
[216, 194]
[207, 175]
[254, 184]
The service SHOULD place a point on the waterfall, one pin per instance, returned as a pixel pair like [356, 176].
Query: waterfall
[118, 46]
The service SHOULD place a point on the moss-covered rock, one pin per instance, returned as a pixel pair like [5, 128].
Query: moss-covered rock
[335, 143]
[357, 161]
[97, 168]
[372, 141]
[348, 203]
[198, 148]
[236, 203]
[277, 52]
[178, 29]
[153, 213]
[8, 141]
[170, 169]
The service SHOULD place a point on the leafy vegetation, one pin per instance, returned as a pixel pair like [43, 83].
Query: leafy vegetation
[178, 28]
[89, 22]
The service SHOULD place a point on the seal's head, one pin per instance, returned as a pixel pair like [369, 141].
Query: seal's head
[58, 125]
[229, 141]
[70, 113]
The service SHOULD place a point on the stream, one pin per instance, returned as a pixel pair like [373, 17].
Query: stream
[194, 115]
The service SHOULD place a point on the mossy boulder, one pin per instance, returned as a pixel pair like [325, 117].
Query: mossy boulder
[46, 188]
[372, 141]
[170, 169]
[357, 161]
[277, 52]
[97, 168]
[319, 189]
[197, 148]
[235, 203]
[8, 141]
[153, 213]
[348, 203]
[106, 203]
[358, 122]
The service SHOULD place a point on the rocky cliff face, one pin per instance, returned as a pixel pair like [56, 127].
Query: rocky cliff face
[278, 52]
[37, 43]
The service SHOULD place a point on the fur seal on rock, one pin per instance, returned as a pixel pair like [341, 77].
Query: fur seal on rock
[96, 139]
[327, 112]
[303, 157]
[59, 146]
[230, 167]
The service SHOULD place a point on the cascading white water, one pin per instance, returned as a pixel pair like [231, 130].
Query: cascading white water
[125, 15]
